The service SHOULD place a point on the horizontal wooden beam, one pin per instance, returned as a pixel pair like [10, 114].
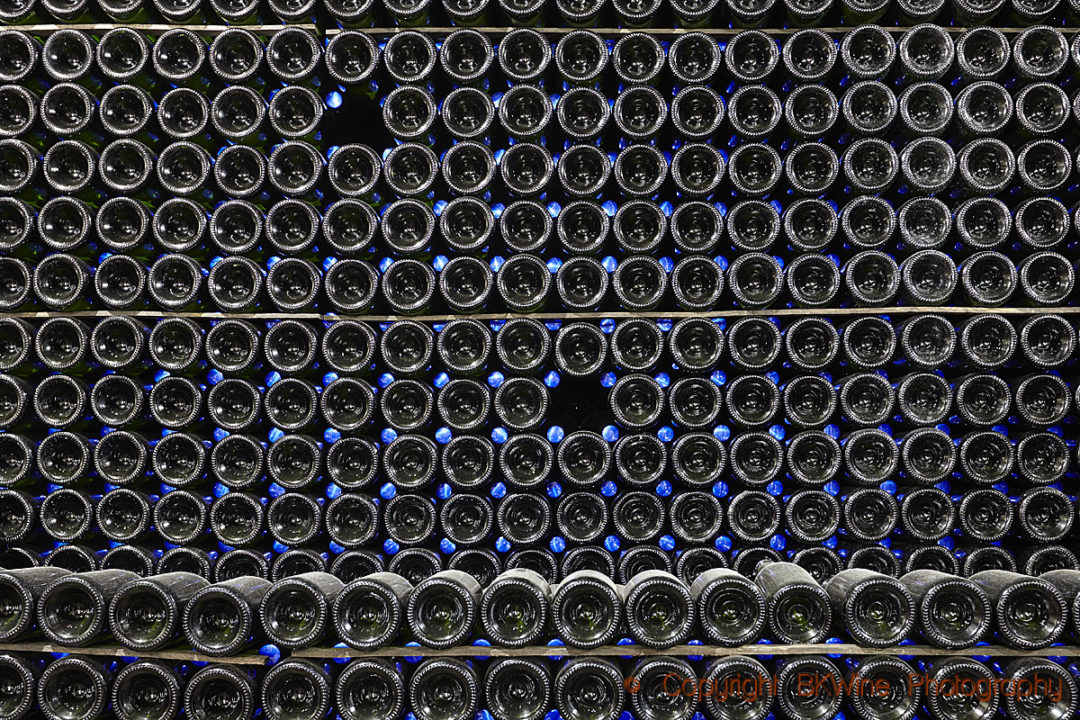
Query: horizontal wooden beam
[116, 651]
[682, 650]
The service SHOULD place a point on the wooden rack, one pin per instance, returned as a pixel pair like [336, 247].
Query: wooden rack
[545, 651]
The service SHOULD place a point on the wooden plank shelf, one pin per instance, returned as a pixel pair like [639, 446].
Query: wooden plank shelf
[175, 654]
[683, 651]
[477, 651]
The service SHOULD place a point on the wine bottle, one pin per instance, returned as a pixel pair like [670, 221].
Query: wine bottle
[1045, 341]
[1067, 581]
[186, 559]
[876, 609]
[442, 610]
[409, 519]
[870, 514]
[72, 609]
[146, 614]
[523, 519]
[163, 682]
[217, 684]
[811, 516]
[895, 673]
[792, 704]
[444, 689]
[282, 682]
[369, 688]
[753, 516]
[649, 590]
[515, 608]
[1056, 693]
[1045, 515]
[953, 612]
[295, 610]
[597, 679]
[67, 515]
[1009, 591]
[467, 461]
[74, 686]
[123, 515]
[25, 587]
[538, 560]
[696, 517]
[220, 620]
[798, 608]
[351, 519]
[927, 514]
[517, 688]
[587, 609]
[730, 608]
[748, 681]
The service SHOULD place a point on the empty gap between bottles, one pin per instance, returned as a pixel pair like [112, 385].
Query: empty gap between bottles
[598, 315]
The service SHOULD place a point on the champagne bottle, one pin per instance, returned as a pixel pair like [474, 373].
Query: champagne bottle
[74, 686]
[791, 703]
[798, 609]
[517, 688]
[146, 614]
[24, 587]
[730, 608]
[587, 609]
[515, 608]
[953, 612]
[589, 688]
[72, 609]
[294, 612]
[1009, 592]
[894, 673]
[442, 610]
[369, 688]
[877, 610]
[217, 684]
[444, 689]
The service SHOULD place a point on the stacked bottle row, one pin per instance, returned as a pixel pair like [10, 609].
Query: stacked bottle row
[313, 194]
[666, 688]
[526, 283]
[211, 558]
[230, 376]
[778, 601]
[574, 13]
[735, 442]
